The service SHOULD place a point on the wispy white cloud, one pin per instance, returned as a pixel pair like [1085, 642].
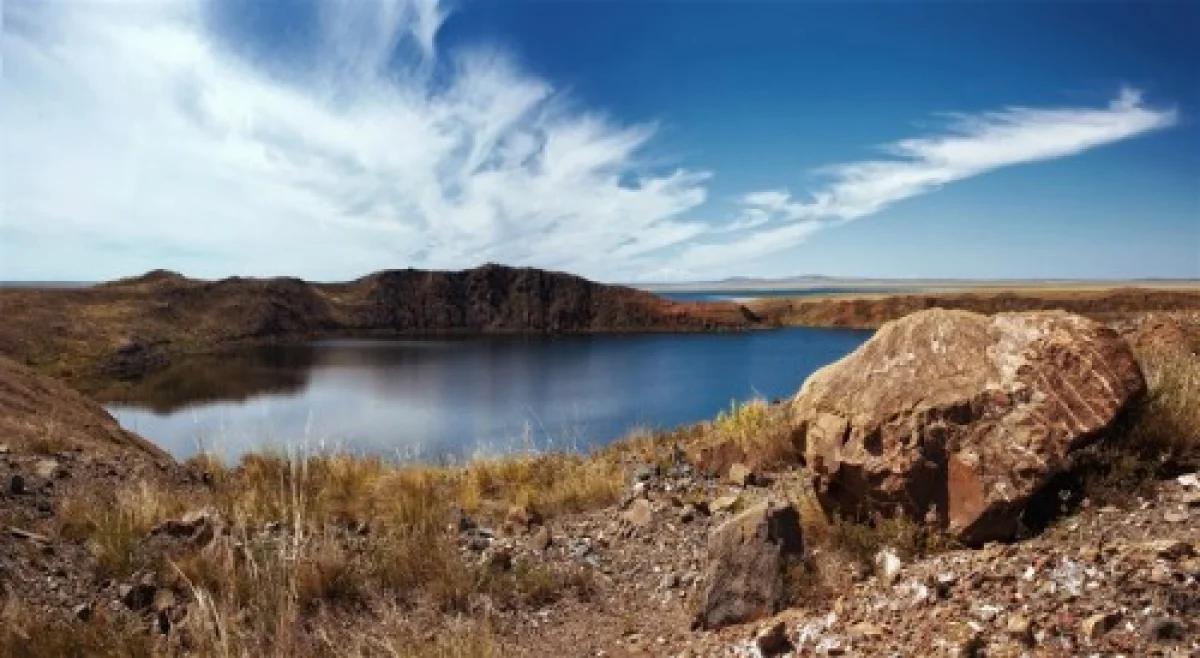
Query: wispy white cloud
[969, 146]
[134, 139]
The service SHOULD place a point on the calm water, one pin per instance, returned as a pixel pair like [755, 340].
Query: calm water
[733, 295]
[450, 399]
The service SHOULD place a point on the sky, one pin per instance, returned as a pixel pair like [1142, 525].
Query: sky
[627, 141]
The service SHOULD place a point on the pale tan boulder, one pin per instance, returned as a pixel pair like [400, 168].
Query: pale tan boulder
[957, 419]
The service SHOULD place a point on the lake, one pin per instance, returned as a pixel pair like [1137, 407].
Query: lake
[446, 400]
[733, 294]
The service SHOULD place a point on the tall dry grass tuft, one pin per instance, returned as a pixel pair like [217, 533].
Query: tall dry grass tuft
[551, 484]
[761, 429]
[1158, 437]
[1168, 421]
[114, 529]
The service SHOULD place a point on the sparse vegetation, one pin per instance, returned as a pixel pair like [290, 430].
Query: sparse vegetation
[760, 429]
[114, 528]
[27, 634]
[1159, 436]
[311, 537]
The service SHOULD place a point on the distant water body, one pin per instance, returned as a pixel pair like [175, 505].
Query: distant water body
[737, 295]
[446, 400]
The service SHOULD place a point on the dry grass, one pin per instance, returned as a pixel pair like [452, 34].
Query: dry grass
[326, 534]
[762, 430]
[47, 438]
[1158, 437]
[114, 528]
[28, 633]
[550, 484]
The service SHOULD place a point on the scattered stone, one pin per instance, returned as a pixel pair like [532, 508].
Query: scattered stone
[1092, 628]
[725, 503]
[4, 450]
[1191, 480]
[1020, 629]
[645, 473]
[772, 639]
[669, 581]
[1175, 516]
[747, 555]
[521, 518]
[164, 599]
[48, 469]
[1169, 549]
[137, 597]
[542, 539]
[926, 413]
[16, 485]
[687, 514]
[82, 612]
[500, 559]
[888, 565]
[866, 629]
[740, 475]
[1159, 629]
[198, 527]
[639, 514]
[715, 460]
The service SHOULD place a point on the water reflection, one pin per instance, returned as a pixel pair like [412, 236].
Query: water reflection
[448, 399]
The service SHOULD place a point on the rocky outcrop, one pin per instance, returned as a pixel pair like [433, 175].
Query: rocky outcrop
[125, 329]
[748, 557]
[959, 419]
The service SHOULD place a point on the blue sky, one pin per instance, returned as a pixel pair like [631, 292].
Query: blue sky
[626, 141]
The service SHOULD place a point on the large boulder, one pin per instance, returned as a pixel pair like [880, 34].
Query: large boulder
[748, 557]
[959, 418]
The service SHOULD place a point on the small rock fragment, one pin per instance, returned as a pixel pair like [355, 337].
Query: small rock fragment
[888, 565]
[521, 517]
[645, 473]
[1169, 549]
[164, 600]
[541, 540]
[868, 630]
[82, 612]
[1160, 629]
[740, 475]
[1175, 516]
[772, 639]
[726, 503]
[639, 513]
[16, 485]
[137, 597]
[1097, 625]
[1020, 629]
[47, 469]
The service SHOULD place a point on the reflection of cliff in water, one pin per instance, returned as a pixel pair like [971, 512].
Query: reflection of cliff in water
[234, 376]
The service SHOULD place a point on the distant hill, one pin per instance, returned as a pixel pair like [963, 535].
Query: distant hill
[125, 328]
